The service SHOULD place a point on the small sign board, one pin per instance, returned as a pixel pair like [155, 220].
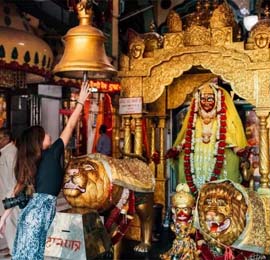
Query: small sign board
[77, 236]
[132, 105]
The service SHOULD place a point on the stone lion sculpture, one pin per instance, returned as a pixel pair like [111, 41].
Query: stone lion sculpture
[103, 183]
[228, 215]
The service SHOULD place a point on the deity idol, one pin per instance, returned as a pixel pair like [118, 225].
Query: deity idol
[211, 139]
[184, 246]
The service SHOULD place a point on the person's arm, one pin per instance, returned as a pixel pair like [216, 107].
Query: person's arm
[3, 219]
[72, 121]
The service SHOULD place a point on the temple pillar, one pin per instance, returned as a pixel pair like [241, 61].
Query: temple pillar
[153, 138]
[138, 134]
[161, 181]
[115, 126]
[154, 122]
[262, 114]
[157, 145]
[127, 134]
[161, 165]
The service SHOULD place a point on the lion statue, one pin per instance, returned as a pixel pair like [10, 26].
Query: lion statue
[228, 215]
[103, 183]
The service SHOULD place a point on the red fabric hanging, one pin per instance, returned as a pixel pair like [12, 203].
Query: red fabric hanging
[108, 120]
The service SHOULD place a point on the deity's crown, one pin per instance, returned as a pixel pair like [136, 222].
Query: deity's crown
[206, 89]
[183, 197]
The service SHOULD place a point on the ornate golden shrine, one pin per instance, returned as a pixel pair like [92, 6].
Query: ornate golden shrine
[155, 64]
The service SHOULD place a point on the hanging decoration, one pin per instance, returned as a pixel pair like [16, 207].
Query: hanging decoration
[24, 57]
[120, 217]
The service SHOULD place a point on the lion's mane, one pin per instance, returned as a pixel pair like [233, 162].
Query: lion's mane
[225, 199]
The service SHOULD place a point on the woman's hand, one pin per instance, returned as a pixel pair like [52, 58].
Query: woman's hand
[84, 92]
[73, 119]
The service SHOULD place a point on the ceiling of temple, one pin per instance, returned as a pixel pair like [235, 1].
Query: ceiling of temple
[58, 15]
[55, 17]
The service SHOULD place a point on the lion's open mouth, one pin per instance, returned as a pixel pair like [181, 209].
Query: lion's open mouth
[73, 186]
[217, 227]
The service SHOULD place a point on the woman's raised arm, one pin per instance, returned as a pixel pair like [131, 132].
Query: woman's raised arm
[72, 121]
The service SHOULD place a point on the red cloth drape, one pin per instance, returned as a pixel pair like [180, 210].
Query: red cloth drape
[107, 120]
[100, 118]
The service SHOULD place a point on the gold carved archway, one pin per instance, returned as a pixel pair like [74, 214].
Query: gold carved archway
[250, 81]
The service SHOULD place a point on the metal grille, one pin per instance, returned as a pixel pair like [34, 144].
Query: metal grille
[35, 110]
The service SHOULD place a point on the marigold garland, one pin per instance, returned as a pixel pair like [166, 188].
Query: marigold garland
[219, 147]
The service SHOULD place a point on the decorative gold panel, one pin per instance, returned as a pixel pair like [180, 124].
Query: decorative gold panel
[230, 65]
[131, 87]
[184, 85]
[162, 76]
[266, 202]
[197, 35]
[261, 88]
[260, 35]
[160, 191]
[222, 16]
[173, 40]
[174, 22]
[221, 36]
[242, 82]
[158, 108]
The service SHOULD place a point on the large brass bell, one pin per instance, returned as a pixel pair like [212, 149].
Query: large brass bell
[84, 50]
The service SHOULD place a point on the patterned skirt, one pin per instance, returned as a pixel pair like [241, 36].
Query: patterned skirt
[33, 224]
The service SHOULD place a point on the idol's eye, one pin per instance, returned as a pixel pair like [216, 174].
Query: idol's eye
[221, 202]
[89, 167]
[207, 97]
[208, 201]
[203, 99]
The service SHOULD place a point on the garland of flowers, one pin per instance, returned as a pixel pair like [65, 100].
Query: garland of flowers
[219, 146]
[125, 220]
[119, 219]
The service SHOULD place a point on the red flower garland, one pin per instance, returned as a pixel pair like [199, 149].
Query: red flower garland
[122, 222]
[125, 222]
[220, 140]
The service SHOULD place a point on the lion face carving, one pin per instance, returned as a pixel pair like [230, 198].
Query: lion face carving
[96, 181]
[222, 212]
[87, 185]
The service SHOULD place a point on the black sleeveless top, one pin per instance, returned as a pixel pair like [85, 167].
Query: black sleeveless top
[50, 172]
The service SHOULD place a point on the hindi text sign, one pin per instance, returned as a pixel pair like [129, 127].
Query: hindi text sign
[132, 105]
